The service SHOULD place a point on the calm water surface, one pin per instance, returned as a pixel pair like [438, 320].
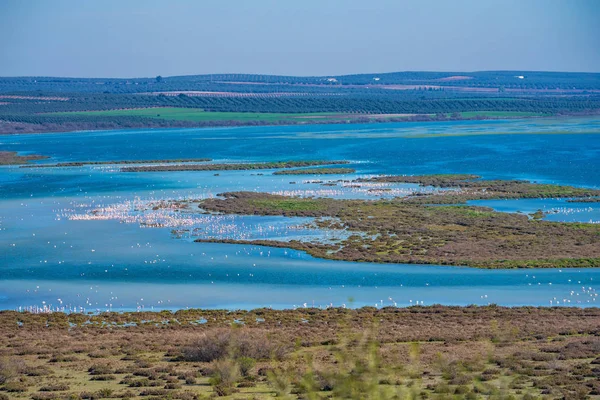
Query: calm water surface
[48, 259]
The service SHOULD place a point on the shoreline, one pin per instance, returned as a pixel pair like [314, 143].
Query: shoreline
[244, 124]
[31, 310]
[239, 312]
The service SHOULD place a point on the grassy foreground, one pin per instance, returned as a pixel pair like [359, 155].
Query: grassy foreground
[413, 353]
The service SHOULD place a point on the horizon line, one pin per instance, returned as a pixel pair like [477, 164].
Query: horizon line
[303, 76]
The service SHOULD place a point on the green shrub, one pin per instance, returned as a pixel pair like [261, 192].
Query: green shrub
[221, 343]
[100, 369]
[54, 388]
[103, 378]
[225, 375]
[10, 368]
[246, 364]
[105, 392]
[15, 387]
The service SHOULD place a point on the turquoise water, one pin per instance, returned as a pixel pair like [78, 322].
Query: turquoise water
[554, 209]
[53, 254]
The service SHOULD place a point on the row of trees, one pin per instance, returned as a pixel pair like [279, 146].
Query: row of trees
[344, 104]
[525, 80]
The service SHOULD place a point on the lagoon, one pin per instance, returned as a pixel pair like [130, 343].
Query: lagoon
[49, 259]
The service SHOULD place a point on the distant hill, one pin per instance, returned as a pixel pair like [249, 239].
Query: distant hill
[44, 104]
[519, 80]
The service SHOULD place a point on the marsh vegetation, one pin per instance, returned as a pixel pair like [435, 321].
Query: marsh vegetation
[230, 167]
[435, 228]
[391, 353]
[316, 171]
[116, 162]
[13, 158]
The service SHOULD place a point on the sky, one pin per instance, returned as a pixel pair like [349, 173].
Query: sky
[146, 38]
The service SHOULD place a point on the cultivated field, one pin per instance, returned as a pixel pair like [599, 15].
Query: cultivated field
[195, 114]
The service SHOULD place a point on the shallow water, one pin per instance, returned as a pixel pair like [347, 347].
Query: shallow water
[48, 259]
[553, 209]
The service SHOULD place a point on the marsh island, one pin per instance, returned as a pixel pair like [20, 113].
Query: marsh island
[437, 228]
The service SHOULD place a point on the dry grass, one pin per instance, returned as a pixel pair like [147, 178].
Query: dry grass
[427, 352]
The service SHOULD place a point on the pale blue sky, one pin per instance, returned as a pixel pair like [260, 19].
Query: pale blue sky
[133, 38]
